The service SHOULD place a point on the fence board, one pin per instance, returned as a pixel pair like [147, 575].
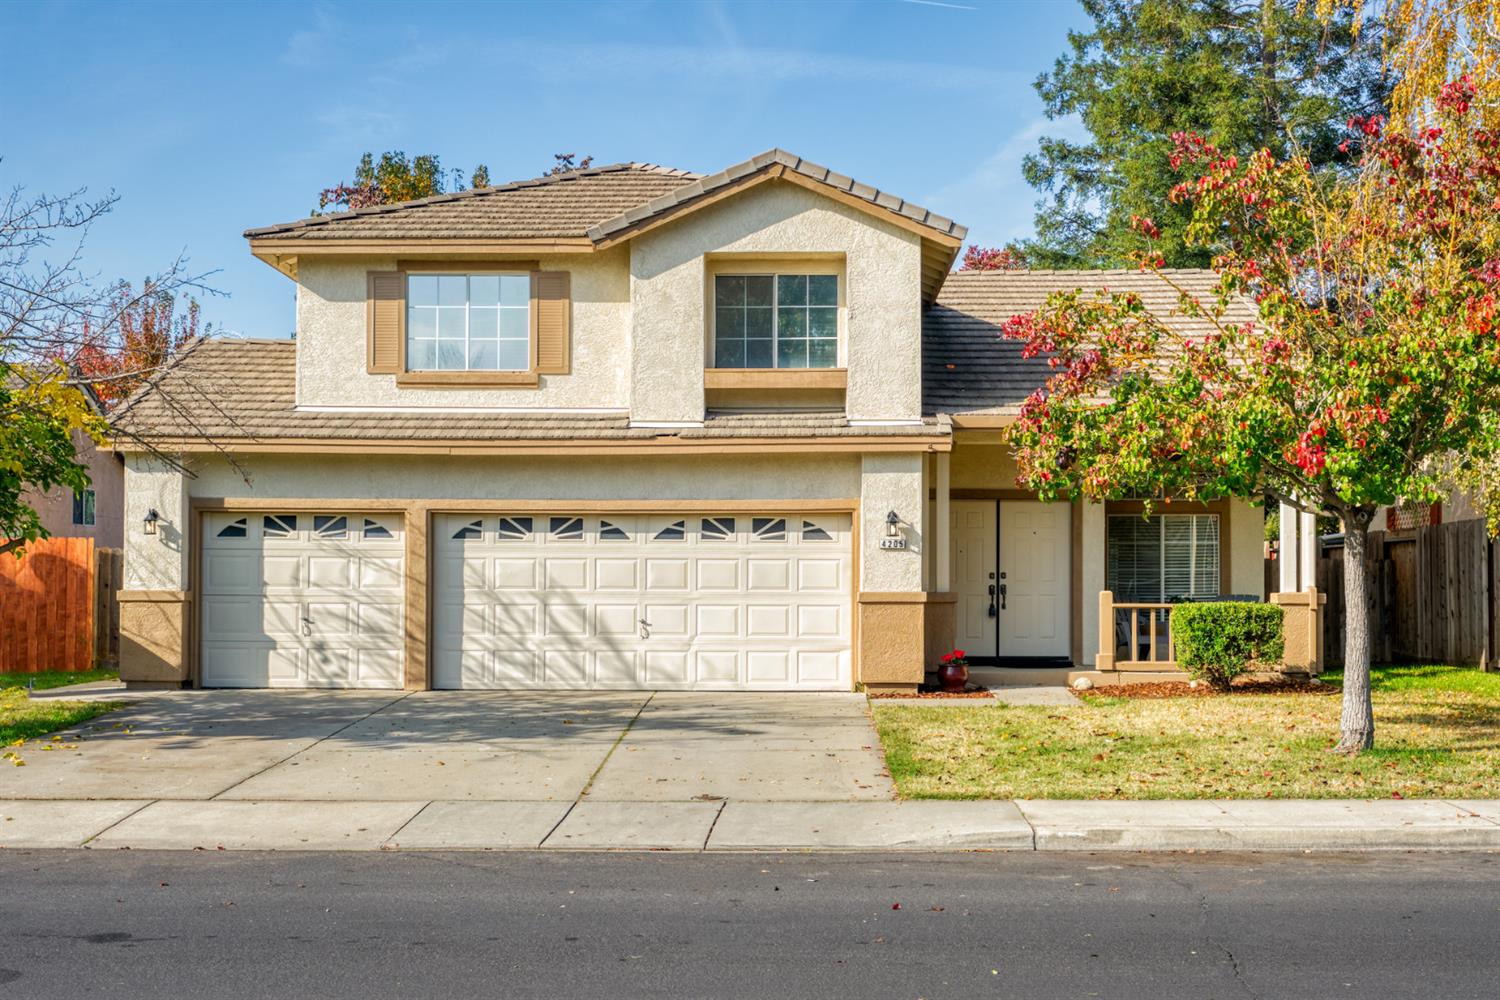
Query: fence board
[1435, 596]
[46, 606]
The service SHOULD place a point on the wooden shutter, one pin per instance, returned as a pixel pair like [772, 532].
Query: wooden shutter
[386, 326]
[550, 309]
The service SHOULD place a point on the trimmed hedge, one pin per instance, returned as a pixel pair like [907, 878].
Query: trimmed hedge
[1217, 640]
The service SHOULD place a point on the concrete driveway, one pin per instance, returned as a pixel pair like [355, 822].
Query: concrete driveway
[336, 769]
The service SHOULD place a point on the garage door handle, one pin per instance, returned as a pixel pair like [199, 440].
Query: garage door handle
[645, 629]
[307, 626]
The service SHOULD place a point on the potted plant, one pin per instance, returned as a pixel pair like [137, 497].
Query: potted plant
[953, 672]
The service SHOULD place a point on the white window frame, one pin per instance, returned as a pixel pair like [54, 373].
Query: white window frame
[1216, 584]
[468, 307]
[775, 276]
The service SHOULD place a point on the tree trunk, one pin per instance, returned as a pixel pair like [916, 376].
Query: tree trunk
[1357, 719]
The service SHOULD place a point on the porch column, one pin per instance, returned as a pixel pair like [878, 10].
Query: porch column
[1287, 558]
[1307, 552]
[1092, 573]
[942, 555]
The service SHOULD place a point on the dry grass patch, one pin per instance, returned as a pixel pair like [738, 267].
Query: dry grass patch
[1437, 735]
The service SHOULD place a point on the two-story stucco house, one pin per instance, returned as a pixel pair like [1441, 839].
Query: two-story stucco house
[628, 427]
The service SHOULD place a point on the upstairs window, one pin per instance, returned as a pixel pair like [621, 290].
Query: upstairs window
[468, 322]
[776, 321]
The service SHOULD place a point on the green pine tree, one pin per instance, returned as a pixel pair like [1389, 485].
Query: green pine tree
[1244, 73]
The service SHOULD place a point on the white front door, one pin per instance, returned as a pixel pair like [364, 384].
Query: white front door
[972, 531]
[302, 600]
[723, 601]
[1035, 568]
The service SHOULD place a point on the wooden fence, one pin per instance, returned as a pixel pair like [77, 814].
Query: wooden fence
[59, 607]
[1434, 596]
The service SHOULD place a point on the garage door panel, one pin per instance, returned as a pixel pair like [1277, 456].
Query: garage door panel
[616, 620]
[717, 601]
[566, 620]
[377, 572]
[667, 621]
[666, 574]
[613, 574]
[567, 575]
[515, 573]
[820, 621]
[282, 572]
[565, 668]
[302, 600]
[378, 668]
[718, 667]
[768, 575]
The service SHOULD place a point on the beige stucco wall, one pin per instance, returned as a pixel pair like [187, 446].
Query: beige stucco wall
[159, 561]
[891, 483]
[331, 341]
[882, 323]
[107, 478]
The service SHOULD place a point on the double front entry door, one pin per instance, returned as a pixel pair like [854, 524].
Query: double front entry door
[1011, 562]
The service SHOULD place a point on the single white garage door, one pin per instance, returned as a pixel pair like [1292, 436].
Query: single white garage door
[302, 600]
[642, 601]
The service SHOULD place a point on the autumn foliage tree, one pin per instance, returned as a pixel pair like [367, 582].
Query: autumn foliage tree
[978, 258]
[1373, 360]
[395, 177]
[63, 337]
[148, 330]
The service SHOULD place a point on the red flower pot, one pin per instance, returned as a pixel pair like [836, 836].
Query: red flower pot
[953, 676]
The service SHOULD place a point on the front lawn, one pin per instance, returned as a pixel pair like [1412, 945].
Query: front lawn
[22, 719]
[1437, 735]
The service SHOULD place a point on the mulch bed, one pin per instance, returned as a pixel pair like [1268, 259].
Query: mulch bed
[972, 691]
[1182, 689]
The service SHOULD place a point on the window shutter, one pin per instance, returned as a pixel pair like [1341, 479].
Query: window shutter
[386, 321]
[550, 308]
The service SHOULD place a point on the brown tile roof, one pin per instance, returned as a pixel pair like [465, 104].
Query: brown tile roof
[594, 203]
[702, 186]
[243, 392]
[560, 205]
[967, 367]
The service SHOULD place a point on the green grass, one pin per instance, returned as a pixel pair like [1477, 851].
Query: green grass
[22, 719]
[1437, 735]
[56, 678]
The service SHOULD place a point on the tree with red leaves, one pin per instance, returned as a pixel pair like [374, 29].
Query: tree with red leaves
[147, 331]
[978, 258]
[1373, 360]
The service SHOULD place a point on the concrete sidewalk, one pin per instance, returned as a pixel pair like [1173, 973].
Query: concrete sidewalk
[1284, 825]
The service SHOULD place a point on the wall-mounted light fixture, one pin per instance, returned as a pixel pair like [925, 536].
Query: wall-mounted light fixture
[150, 523]
[892, 525]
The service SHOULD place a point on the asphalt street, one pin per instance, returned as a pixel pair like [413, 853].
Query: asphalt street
[134, 924]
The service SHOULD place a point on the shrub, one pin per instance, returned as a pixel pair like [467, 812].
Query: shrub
[1216, 641]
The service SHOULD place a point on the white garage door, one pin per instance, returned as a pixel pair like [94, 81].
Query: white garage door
[642, 601]
[302, 600]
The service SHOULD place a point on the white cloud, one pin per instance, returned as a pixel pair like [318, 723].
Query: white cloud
[311, 47]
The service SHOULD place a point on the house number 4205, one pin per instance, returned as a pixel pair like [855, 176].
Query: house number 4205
[893, 543]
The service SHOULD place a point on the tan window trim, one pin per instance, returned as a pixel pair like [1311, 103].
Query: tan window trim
[468, 379]
[775, 378]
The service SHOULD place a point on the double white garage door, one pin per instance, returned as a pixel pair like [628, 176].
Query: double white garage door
[724, 601]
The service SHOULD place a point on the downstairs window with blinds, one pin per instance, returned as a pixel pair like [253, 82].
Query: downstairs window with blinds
[1168, 557]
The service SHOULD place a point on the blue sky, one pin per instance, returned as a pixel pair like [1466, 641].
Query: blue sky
[208, 119]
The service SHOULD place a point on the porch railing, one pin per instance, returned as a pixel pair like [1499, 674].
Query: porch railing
[1134, 635]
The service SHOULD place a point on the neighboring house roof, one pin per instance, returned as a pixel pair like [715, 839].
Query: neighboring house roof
[241, 394]
[595, 208]
[969, 368]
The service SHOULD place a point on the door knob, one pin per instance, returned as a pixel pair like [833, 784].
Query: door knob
[993, 612]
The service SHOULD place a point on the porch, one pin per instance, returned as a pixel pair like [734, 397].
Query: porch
[1047, 593]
